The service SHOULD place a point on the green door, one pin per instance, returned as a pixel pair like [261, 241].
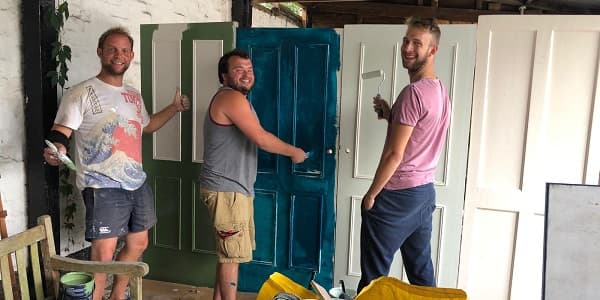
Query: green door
[181, 245]
[295, 98]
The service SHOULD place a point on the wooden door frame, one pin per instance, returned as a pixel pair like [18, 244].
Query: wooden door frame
[40, 109]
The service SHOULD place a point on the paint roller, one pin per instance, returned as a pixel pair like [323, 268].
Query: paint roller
[375, 74]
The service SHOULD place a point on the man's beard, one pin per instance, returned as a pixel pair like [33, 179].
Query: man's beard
[239, 87]
[416, 65]
[108, 68]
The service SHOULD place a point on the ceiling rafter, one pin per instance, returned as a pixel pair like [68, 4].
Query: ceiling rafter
[388, 10]
[337, 13]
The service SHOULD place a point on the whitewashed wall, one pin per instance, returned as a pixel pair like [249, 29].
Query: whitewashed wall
[12, 130]
[90, 18]
[87, 22]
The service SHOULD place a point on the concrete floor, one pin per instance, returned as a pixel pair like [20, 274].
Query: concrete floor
[159, 290]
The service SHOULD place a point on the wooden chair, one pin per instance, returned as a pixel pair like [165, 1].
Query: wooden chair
[39, 238]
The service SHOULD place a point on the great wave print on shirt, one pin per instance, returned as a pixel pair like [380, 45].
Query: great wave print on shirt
[114, 149]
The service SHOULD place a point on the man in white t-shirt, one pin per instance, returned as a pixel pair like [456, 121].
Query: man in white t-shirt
[107, 119]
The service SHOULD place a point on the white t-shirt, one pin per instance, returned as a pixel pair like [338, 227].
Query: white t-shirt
[107, 123]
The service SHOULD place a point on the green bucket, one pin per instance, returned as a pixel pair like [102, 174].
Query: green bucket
[77, 285]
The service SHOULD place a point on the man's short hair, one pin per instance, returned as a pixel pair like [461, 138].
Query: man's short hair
[428, 24]
[224, 61]
[114, 31]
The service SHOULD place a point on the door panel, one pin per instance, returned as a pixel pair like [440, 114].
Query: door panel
[295, 99]
[362, 137]
[181, 247]
[535, 120]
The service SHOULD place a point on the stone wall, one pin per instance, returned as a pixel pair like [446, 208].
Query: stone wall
[12, 130]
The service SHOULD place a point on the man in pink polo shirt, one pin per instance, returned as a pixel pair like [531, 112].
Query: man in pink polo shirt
[397, 209]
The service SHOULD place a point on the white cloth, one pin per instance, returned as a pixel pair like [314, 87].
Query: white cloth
[108, 122]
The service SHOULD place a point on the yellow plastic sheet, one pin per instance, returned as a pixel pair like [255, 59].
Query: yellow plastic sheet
[392, 288]
[278, 283]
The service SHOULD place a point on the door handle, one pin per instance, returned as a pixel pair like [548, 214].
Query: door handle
[330, 151]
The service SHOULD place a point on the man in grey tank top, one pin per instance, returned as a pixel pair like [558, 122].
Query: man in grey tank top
[232, 134]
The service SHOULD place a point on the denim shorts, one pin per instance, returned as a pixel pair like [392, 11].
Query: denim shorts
[114, 212]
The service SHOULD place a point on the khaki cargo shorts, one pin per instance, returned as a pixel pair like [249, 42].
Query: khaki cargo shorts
[233, 219]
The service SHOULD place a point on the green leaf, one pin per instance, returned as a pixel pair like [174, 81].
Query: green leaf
[55, 51]
[62, 7]
[64, 172]
[54, 80]
[63, 69]
[65, 190]
[53, 18]
[51, 74]
[67, 52]
[71, 208]
[66, 9]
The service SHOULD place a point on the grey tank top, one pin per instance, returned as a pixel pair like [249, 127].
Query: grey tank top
[229, 157]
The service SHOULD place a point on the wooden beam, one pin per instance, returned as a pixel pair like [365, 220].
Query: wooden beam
[40, 110]
[506, 5]
[387, 10]
[564, 8]
[241, 12]
[339, 20]
[284, 12]
[552, 8]
[308, 1]
[478, 4]
[494, 6]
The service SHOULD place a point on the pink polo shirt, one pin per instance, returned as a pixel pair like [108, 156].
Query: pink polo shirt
[424, 105]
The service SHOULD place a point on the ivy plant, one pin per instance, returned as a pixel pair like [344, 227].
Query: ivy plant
[60, 53]
[66, 190]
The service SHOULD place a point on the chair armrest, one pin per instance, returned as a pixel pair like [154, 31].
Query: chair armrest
[57, 262]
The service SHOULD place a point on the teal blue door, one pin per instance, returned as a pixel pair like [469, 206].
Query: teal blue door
[295, 98]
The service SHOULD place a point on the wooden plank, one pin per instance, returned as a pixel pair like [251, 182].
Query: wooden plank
[51, 276]
[339, 20]
[5, 271]
[135, 287]
[21, 240]
[374, 9]
[22, 272]
[116, 267]
[42, 180]
[4, 235]
[37, 271]
[3, 231]
[241, 12]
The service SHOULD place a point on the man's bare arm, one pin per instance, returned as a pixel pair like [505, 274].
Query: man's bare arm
[49, 155]
[391, 157]
[236, 108]
[159, 119]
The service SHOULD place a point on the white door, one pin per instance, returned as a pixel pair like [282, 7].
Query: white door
[535, 119]
[373, 47]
